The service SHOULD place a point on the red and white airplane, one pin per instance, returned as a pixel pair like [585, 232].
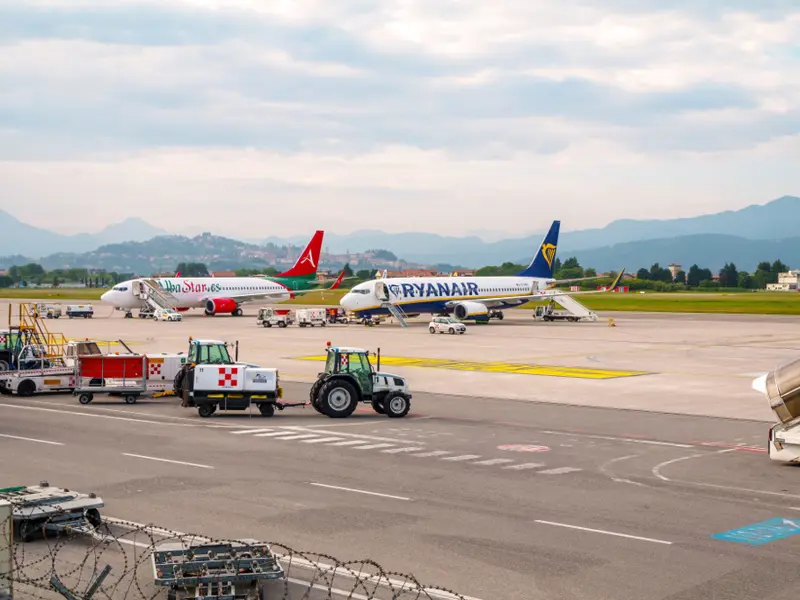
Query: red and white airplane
[225, 295]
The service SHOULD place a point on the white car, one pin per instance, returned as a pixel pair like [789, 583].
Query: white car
[167, 315]
[446, 325]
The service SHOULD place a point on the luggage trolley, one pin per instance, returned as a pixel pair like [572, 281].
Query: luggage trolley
[216, 570]
[120, 375]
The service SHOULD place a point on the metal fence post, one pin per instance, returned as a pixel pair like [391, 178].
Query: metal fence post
[6, 550]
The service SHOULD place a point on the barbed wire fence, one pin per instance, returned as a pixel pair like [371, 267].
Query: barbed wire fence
[51, 559]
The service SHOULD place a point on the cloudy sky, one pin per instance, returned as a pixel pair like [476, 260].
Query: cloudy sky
[257, 117]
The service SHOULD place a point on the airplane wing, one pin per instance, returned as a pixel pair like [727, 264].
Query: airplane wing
[548, 293]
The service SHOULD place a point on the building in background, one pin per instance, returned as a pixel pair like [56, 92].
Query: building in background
[787, 282]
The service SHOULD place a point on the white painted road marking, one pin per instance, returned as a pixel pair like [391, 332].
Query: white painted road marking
[275, 433]
[614, 533]
[372, 446]
[250, 431]
[303, 436]
[524, 466]
[433, 453]
[74, 413]
[349, 443]
[462, 457]
[16, 437]
[399, 450]
[559, 471]
[494, 461]
[166, 460]
[321, 440]
[336, 487]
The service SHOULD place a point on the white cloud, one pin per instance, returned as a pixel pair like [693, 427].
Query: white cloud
[586, 110]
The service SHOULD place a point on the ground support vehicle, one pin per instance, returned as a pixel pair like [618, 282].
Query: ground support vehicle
[233, 387]
[35, 381]
[167, 314]
[39, 510]
[548, 312]
[496, 314]
[781, 387]
[211, 380]
[48, 311]
[446, 325]
[215, 570]
[121, 375]
[309, 317]
[80, 310]
[349, 379]
[268, 317]
[336, 315]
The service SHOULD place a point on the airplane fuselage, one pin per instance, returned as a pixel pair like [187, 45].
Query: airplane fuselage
[438, 294]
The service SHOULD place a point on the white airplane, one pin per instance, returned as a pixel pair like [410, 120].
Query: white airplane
[468, 298]
[225, 295]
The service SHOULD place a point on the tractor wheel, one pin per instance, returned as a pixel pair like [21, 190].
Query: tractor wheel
[396, 406]
[338, 398]
[266, 410]
[177, 383]
[26, 388]
[206, 410]
[378, 407]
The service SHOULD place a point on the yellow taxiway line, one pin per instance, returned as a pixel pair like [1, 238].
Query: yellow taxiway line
[498, 367]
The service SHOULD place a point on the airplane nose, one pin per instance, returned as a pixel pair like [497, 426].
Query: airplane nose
[106, 297]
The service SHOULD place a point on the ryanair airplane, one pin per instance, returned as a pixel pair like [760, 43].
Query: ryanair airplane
[467, 298]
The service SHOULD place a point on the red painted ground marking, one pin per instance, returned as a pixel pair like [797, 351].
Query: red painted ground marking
[523, 448]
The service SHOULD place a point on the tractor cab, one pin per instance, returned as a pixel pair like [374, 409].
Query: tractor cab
[353, 362]
[209, 352]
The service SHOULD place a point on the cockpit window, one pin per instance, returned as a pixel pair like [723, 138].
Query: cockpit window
[121, 288]
[361, 291]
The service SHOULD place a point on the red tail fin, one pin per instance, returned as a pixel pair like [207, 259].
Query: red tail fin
[338, 281]
[308, 262]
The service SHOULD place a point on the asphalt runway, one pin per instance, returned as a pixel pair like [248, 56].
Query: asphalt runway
[571, 491]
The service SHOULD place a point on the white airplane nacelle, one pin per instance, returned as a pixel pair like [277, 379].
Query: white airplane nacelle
[470, 310]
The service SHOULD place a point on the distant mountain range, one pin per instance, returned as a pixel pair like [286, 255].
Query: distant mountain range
[18, 236]
[746, 236]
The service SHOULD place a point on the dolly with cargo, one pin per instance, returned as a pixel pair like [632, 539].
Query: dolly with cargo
[311, 317]
[211, 380]
[80, 310]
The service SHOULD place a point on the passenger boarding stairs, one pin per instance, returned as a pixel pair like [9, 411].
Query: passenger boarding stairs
[575, 308]
[154, 295]
[396, 312]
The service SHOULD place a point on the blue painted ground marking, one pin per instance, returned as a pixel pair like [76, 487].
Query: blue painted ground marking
[761, 533]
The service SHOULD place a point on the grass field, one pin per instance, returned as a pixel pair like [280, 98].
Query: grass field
[763, 303]
[52, 293]
[756, 303]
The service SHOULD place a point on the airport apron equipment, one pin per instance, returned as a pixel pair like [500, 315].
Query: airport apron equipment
[216, 570]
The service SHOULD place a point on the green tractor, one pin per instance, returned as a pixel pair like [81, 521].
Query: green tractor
[349, 379]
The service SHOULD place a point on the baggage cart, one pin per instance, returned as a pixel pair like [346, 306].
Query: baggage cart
[216, 570]
[120, 375]
[39, 510]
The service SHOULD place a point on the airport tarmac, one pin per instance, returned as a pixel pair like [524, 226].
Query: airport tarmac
[498, 485]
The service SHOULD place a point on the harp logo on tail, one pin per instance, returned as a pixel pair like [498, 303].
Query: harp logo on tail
[549, 253]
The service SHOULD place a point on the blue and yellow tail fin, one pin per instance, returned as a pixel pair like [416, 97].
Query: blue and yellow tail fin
[545, 259]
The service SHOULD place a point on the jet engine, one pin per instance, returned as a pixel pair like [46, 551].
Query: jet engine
[470, 310]
[221, 305]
